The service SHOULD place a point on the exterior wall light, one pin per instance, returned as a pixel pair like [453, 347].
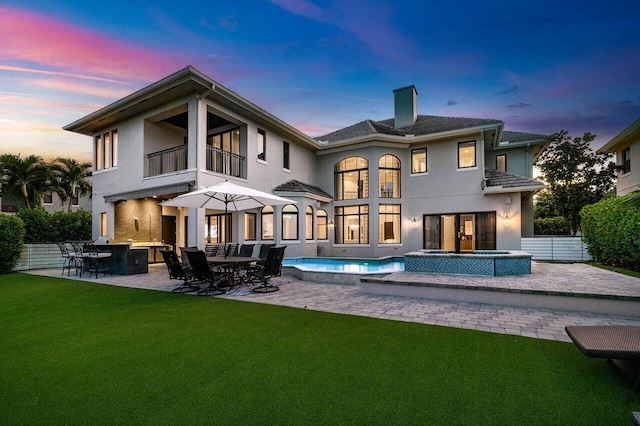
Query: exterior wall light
[330, 224]
[506, 221]
[414, 223]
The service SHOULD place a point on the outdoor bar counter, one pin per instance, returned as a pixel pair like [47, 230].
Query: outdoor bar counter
[125, 259]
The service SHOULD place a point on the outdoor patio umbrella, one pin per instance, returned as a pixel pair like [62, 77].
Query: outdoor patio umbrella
[227, 196]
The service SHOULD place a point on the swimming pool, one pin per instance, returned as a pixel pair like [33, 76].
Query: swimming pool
[341, 269]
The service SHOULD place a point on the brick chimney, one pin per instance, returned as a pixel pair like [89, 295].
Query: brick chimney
[406, 110]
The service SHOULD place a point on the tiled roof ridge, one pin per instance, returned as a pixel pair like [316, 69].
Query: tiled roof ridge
[509, 180]
[294, 185]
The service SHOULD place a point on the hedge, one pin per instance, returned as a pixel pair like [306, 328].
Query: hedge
[612, 233]
[551, 226]
[11, 236]
[43, 227]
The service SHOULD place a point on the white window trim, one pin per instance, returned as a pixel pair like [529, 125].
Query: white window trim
[419, 174]
[467, 169]
[350, 245]
[261, 161]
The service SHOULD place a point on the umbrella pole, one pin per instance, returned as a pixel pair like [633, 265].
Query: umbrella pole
[226, 223]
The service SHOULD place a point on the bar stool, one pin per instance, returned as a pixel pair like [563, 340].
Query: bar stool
[98, 261]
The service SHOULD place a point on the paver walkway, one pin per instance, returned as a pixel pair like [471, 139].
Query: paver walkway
[347, 299]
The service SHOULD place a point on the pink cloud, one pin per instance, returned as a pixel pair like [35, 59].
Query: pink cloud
[75, 86]
[65, 47]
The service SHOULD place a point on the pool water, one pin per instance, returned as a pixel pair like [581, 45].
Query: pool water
[347, 265]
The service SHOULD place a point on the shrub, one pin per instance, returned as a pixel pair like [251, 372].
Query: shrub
[612, 232]
[551, 226]
[11, 236]
[73, 226]
[42, 227]
[37, 225]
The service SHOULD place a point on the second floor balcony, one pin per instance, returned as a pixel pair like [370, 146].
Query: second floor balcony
[225, 162]
[166, 161]
[174, 159]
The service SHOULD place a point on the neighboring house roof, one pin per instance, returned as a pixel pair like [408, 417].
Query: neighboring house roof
[424, 125]
[628, 135]
[297, 186]
[497, 181]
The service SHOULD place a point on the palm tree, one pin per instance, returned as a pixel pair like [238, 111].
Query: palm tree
[26, 178]
[71, 179]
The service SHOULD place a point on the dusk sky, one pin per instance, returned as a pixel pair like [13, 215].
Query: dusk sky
[539, 66]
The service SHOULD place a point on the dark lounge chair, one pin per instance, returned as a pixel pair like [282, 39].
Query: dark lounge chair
[179, 271]
[619, 344]
[272, 268]
[204, 274]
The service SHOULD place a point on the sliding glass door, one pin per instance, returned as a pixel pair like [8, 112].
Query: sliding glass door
[460, 232]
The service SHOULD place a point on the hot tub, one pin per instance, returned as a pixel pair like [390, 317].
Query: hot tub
[485, 262]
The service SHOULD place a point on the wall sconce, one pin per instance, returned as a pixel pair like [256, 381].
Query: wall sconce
[506, 221]
[414, 223]
[330, 224]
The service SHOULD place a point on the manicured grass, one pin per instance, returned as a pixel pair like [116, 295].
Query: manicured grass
[616, 269]
[74, 352]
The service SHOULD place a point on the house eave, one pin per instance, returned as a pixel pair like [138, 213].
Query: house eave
[187, 79]
[310, 195]
[622, 138]
[505, 189]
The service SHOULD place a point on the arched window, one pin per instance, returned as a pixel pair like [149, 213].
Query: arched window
[389, 176]
[309, 223]
[267, 223]
[289, 222]
[321, 223]
[351, 178]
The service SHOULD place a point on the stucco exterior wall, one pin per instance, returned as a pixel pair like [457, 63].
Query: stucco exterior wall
[629, 182]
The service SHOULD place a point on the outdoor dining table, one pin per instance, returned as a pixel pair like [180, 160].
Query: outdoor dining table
[234, 264]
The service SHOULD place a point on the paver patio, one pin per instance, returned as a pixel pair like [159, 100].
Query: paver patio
[347, 299]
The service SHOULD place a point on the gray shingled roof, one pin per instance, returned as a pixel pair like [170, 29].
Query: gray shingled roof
[508, 180]
[424, 125]
[297, 186]
[519, 137]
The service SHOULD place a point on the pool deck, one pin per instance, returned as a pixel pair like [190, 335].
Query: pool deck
[540, 323]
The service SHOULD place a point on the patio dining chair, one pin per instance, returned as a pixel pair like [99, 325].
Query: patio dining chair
[271, 268]
[204, 274]
[232, 249]
[179, 271]
[246, 250]
[68, 258]
[99, 261]
[264, 251]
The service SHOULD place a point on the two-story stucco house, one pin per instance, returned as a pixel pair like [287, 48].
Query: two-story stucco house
[372, 189]
[626, 146]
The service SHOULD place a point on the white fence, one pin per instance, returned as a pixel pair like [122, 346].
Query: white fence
[563, 248]
[39, 256]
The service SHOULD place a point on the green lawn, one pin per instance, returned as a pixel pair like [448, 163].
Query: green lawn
[73, 352]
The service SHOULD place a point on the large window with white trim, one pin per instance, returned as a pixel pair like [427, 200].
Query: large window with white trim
[466, 154]
[351, 178]
[389, 176]
[389, 223]
[322, 224]
[352, 224]
[267, 223]
[289, 222]
[106, 150]
[309, 223]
